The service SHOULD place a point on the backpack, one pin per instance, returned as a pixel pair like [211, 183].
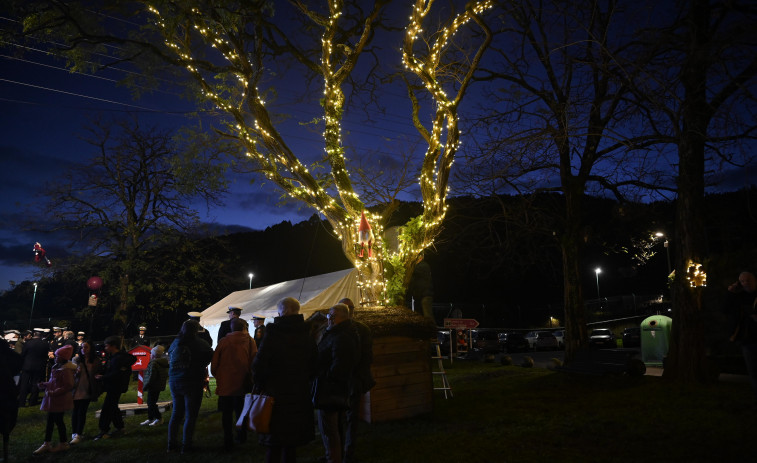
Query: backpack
[180, 358]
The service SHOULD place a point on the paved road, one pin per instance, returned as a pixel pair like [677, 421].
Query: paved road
[544, 359]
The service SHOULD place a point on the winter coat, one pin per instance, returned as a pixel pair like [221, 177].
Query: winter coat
[34, 355]
[338, 355]
[84, 378]
[10, 366]
[118, 372]
[200, 353]
[58, 397]
[362, 379]
[232, 364]
[284, 368]
[156, 375]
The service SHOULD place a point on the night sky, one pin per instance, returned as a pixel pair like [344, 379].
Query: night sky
[45, 108]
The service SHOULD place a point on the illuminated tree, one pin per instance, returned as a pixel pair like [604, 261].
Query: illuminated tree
[233, 55]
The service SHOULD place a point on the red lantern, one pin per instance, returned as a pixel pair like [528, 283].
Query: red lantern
[95, 283]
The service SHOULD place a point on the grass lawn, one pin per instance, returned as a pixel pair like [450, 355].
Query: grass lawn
[498, 414]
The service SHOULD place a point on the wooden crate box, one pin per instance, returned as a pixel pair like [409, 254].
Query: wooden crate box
[404, 384]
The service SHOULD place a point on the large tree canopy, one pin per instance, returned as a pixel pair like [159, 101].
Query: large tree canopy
[242, 58]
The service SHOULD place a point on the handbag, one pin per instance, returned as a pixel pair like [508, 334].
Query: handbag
[256, 413]
[328, 395]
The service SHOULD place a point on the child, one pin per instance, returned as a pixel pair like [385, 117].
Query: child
[58, 399]
[155, 382]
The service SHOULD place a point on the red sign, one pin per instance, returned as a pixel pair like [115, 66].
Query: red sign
[142, 353]
[460, 323]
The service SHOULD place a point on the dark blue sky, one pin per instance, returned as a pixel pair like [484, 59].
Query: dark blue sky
[43, 109]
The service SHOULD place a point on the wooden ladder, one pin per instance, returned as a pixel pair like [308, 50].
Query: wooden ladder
[443, 374]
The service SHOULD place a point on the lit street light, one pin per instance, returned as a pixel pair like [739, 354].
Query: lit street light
[250, 275]
[34, 297]
[667, 248]
[598, 271]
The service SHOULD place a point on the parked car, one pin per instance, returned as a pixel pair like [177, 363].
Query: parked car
[632, 337]
[443, 337]
[545, 340]
[485, 340]
[531, 338]
[602, 338]
[513, 342]
[560, 336]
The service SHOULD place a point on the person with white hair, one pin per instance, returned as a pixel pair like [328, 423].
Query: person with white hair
[284, 368]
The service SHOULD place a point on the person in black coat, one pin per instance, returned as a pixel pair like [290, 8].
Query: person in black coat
[203, 333]
[141, 339]
[284, 368]
[10, 366]
[225, 328]
[362, 381]
[115, 382]
[338, 356]
[34, 361]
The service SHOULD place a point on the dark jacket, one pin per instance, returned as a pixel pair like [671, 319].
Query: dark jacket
[740, 307]
[156, 375]
[118, 372]
[223, 330]
[362, 379]
[195, 374]
[284, 368]
[10, 366]
[34, 354]
[338, 355]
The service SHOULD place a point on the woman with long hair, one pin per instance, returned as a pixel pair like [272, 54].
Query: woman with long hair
[85, 390]
[188, 358]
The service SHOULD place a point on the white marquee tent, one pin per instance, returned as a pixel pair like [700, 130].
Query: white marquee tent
[314, 293]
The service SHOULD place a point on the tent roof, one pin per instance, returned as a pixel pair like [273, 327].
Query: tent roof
[314, 293]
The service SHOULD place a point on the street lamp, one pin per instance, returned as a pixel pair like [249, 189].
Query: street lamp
[667, 248]
[250, 275]
[34, 298]
[598, 271]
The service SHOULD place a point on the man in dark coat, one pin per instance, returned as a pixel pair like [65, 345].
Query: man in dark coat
[225, 328]
[203, 333]
[10, 366]
[258, 324]
[284, 368]
[338, 355]
[34, 362]
[141, 339]
[115, 382]
[362, 381]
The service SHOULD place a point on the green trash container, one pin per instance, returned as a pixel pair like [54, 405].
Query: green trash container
[655, 339]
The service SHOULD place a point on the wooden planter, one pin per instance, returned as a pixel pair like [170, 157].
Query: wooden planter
[404, 384]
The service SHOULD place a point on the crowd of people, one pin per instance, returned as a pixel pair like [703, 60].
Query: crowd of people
[317, 370]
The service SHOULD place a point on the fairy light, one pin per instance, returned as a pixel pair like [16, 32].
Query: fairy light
[264, 146]
[695, 275]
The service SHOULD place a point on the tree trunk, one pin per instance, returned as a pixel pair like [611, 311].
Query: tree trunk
[575, 312]
[687, 355]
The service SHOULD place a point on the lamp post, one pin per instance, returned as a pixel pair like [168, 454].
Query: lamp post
[667, 248]
[34, 298]
[250, 275]
[598, 271]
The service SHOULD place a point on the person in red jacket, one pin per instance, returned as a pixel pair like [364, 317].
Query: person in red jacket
[58, 399]
[232, 368]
